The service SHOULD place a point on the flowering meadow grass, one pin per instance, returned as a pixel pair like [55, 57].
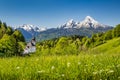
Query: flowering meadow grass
[81, 67]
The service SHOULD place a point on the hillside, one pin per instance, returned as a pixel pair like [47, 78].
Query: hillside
[111, 46]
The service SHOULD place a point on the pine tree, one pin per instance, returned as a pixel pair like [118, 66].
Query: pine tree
[5, 25]
[18, 36]
[117, 31]
[9, 31]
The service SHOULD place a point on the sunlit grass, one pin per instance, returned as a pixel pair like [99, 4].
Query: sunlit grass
[110, 47]
[81, 67]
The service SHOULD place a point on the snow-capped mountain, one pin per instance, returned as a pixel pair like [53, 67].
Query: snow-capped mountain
[29, 27]
[29, 30]
[88, 22]
[70, 24]
[84, 28]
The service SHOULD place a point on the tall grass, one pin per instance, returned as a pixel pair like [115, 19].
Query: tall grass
[81, 67]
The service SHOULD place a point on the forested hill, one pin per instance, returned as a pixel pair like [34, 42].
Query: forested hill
[10, 41]
[76, 44]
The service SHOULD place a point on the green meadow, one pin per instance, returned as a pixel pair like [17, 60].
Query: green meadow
[99, 63]
[81, 67]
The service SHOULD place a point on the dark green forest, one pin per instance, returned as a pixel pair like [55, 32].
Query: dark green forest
[11, 41]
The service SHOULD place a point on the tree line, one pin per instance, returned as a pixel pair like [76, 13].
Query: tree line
[11, 41]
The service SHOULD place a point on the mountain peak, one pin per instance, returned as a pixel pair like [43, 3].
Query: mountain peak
[89, 19]
[70, 24]
[29, 27]
[71, 21]
[89, 22]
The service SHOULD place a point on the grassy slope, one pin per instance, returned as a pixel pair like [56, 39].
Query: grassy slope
[111, 46]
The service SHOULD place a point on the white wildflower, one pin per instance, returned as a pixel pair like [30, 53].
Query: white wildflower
[86, 65]
[79, 63]
[94, 55]
[53, 67]
[111, 71]
[42, 71]
[92, 64]
[94, 73]
[18, 67]
[101, 70]
[37, 59]
[106, 69]
[63, 75]
[39, 71]
[100, 79]
[68, 64]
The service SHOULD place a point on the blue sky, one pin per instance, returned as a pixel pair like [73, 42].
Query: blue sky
[52, 13]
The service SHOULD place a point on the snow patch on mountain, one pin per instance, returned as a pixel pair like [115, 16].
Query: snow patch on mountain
[70, 24]
[29, 27]
[30, 31]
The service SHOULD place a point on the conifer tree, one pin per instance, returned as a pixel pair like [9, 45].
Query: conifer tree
[18, 36]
